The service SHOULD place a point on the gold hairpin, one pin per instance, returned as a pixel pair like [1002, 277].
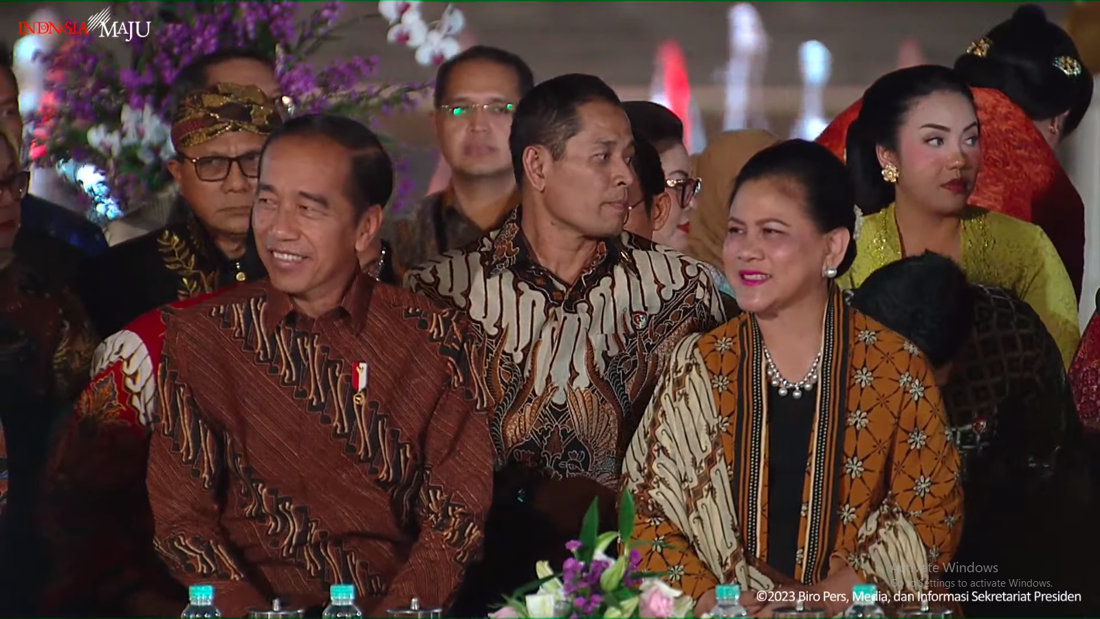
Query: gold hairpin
[979, 47]
[1068, 65]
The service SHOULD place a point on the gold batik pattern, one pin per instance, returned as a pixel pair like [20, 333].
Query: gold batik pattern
[997, 251]
[566, 370]
[881, 485]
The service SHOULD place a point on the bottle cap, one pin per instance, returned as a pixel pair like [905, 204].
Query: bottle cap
[727, 593]
[864, 593]
[342, 592]
[200, 592]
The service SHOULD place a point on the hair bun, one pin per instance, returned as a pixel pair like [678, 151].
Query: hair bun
[1032, 14]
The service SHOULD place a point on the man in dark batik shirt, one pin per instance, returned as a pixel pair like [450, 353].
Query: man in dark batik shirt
[318, 427]
[1029, 507]
[46, 345]
[475, 95]
[217, 136]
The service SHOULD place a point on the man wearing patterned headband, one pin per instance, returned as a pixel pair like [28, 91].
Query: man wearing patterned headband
[104, 547]
[217, 134]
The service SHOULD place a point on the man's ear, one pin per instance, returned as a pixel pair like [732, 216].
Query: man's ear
[662, 206]
[370, 223]
[536, 164]
[175, 168]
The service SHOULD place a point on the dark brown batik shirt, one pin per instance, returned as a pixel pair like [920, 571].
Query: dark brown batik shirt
[567, 371]
[431, 227]
[291, 453]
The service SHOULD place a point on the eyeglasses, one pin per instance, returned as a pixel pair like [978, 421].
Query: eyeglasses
[688, 187]
[16, 185]
[216, 168]
[466, 110]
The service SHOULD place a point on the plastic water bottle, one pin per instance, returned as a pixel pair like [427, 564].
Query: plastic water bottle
[728, 598]
[864, 598]
[202, 603]
[342, 605]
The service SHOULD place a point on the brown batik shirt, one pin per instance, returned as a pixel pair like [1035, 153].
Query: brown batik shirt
[291, 453]
[433, 226]
[567, 371]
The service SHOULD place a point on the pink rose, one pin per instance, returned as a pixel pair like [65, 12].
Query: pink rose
[655, 603]
[505, 613]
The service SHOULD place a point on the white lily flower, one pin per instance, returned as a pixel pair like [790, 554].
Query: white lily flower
[657, 583]
[394, 10]
[107, 142]
[411, 32]
[540, 606]
[452, 22]
[437, 49]
[131, 123]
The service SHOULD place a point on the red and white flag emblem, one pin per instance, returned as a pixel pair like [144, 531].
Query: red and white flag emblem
[361, 373]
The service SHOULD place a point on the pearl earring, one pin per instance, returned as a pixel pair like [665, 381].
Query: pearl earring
[890, 173]
[830, 272]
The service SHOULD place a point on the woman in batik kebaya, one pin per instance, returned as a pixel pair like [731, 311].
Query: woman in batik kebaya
[914, 154]
[801, 445]
[1031, 90]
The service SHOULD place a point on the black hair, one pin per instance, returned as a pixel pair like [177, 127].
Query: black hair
[926, 299]
[656, 123]
[1019, 62]
[647, 167]
[525, 78]
[547, 116]
[370, 180]
[7, 64]
[194, 76]
[824, 183]
[885, 106]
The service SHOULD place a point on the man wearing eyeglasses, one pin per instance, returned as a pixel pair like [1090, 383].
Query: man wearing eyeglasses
[217, 133]
[475, 96]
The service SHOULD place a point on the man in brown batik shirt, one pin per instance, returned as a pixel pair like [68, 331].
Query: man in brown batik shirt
[476, 93]
[316, 427]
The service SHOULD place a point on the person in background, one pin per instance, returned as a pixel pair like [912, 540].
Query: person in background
[660, 127]
[476, 93]
[46, 344]
[649, 203]
[217, 133]
[1031, 88]
[1025, 464]
[40, 216]
[914, 153]
[729, 485]
[717, 167]
[389, 473]
[1084, 373]
[572, 322]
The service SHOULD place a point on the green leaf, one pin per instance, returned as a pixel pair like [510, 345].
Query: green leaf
[626, 518]
[604, 540]
[589, 530]
[612, 577]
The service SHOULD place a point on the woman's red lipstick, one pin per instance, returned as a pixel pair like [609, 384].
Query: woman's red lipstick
[956, 186]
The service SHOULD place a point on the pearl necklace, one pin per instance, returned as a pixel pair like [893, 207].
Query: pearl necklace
[785, 386]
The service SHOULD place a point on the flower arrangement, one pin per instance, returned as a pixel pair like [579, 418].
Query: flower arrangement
[105, 125]
[592, 584]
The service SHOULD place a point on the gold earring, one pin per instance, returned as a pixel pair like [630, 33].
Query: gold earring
[890, 173]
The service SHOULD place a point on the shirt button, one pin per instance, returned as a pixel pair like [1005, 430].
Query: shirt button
[240, 276]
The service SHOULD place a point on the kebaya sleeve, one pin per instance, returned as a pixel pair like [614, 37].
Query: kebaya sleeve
[920, 521]
[1049, 291]
[658, 471]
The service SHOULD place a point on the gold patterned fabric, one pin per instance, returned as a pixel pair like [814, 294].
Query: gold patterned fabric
[881, 489]
[566, 370]
[203, 115]
[996, 251]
